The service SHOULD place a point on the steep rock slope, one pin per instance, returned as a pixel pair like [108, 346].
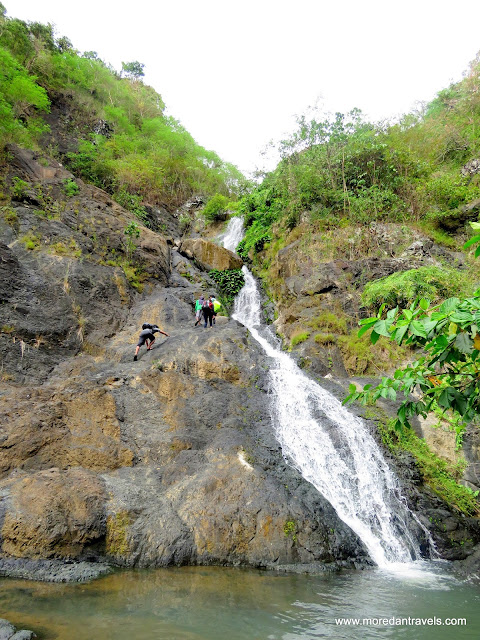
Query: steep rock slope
[168, 460]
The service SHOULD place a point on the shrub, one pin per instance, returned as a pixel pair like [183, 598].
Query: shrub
[402, 288]
[215, 208]
[132, 202]
[448, 191]
[132, 231]
[19, 187]
[297, 338]
[229, 282]
[135, 275]
[327, 320]
[31, 241]
[70, 188]
[442, 476]
[10, 215]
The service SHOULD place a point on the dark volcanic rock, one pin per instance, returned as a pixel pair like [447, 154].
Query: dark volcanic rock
[167, 460]
[62, 284]
[52, 570]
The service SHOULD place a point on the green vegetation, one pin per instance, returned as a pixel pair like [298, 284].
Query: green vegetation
[401, 288]
[31, 241]
[134, 274]
[328, 321]
[132, 231]
[447, 376]
[325, 339]
[290, 529]
[361, 358]
[299, 337]
[440, 475]
[10, 215]
[71, 188]
[216, 208]
[19, 187]
[229, 282]
[341, 170]
[127, 145]
[71, 249]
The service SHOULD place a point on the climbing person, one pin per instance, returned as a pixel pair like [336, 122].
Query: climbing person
[216, 307]
[147, 335]
[207, 310]
[198, 309]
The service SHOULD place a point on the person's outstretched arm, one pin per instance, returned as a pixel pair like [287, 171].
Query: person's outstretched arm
[158, 330]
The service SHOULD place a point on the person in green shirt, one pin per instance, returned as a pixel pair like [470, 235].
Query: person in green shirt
[198, 309]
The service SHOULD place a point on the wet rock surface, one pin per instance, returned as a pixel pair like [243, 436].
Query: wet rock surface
[443, 532]
[8, 632]
[52, 570]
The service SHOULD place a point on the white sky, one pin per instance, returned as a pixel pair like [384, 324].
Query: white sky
[236, 73]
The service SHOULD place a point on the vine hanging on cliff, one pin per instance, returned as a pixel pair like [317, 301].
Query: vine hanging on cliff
[229, 282]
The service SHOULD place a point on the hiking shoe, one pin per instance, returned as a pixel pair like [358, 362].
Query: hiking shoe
[135, 358]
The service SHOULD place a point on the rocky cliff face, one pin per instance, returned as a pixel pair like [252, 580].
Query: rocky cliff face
[317, 280]
[167, 460]
[62, 286]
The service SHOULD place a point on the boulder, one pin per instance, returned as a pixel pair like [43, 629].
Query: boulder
[209, 255]
[52, 513]
[453, 220]
[24, 162]
[7, 632]
[63, 425]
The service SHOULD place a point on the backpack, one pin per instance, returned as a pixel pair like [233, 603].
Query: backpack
[207, 305]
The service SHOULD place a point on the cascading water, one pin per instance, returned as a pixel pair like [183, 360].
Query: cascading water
[329, 446]
[233, 234]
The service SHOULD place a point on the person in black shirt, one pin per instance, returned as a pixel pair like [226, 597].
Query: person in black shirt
[147, 335]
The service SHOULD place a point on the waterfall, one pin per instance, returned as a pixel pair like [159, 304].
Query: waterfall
[330, 447]
[233, 234]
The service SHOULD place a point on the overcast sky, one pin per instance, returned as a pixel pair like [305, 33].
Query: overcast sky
[236, 73]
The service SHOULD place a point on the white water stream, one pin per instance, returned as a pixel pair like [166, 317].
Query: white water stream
[331, 447]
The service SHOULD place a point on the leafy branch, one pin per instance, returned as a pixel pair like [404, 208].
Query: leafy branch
[447, 376]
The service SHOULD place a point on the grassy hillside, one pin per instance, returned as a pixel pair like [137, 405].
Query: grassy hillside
[108, 128]
[357, 214]
[345, 171]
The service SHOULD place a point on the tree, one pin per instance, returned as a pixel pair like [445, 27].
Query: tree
[64, 44]
[216, 208]
[133, 69]
[18, 92]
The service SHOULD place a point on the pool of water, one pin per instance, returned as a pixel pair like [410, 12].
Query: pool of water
[211, 603]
